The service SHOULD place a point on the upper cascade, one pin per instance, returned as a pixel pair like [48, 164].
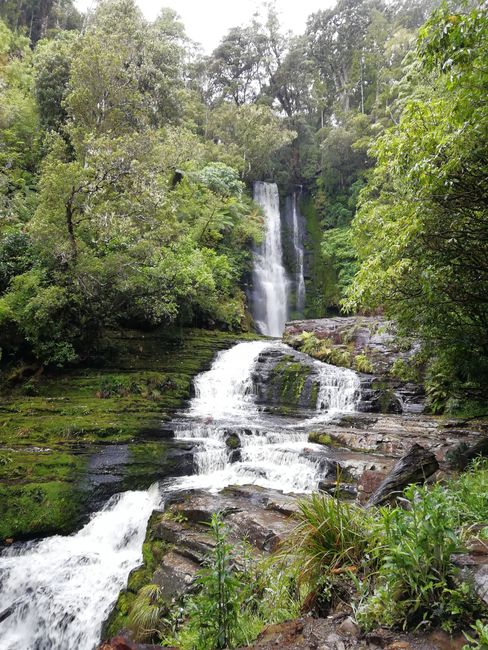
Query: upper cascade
[270, 294]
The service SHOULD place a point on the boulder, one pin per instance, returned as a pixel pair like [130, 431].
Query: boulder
[175, 575]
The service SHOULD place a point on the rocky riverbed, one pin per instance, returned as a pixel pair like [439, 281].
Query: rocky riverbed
[357, 454]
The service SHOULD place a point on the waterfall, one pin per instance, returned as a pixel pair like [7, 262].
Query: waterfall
[63, 588]
[270, 295]
[271, 453]
[60, 590]
[298, 249]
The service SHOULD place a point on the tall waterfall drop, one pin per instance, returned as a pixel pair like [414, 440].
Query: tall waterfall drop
[270, 296]
[298, 248]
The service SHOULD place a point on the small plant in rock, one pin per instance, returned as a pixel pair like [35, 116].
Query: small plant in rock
[213, 614]
[328, 546]
[362, 363]
[480, 639]
[145, 619]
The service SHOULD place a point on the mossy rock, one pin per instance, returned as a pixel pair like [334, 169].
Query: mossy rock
[233, 441]
[142, 380]
[320, 438]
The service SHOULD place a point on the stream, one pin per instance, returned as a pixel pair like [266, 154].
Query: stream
[61, 589]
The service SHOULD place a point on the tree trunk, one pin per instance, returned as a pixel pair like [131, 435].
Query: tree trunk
[414, 467]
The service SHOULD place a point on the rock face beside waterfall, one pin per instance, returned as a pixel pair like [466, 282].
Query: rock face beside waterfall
[369, 345]
[286, 381]
[178, 539]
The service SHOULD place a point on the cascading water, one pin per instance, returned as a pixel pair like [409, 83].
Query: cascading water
[270, 294]
[298, 249]
[61, 589]
[271, 453]
[56, 593]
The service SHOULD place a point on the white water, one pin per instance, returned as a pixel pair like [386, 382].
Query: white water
[270, 295]
[273, 454]
[64, 587]
[298, 248]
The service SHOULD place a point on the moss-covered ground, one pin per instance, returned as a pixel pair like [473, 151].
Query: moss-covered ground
[53, 424]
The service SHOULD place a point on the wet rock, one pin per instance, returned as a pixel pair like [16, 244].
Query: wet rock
[286, 382]
[264, 529]
[474, 564]
[193, 543]
[327, 467]
[415, 467]
[6, 613]
[368, 484]
[342, 490]
[464, 453]
[232, 440]
[175, 575]
[373, 336]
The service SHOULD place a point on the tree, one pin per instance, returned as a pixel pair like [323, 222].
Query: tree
[235, 65]
[422, 228]
[334, 37]
[37, 17]
[52, 71]
[255, 133]
[127, 73]
[19, 122]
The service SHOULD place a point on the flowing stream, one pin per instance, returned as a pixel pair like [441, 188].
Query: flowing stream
[270, 294]
[265, 450]
[61, 589]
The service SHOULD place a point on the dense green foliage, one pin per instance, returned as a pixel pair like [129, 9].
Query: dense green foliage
[396, 563]
[422, 228]
[126, 159]
[117, 207]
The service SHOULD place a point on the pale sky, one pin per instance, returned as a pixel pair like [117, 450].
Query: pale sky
[206, 21]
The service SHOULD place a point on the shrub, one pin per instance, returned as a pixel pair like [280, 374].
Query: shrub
[480, 642]
[145, 619]
[413, 549]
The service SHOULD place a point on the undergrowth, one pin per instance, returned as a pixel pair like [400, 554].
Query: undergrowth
[395, 564]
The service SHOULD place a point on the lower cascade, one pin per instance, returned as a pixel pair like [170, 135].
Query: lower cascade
[62, 589]
[57, 592]
[239, 444]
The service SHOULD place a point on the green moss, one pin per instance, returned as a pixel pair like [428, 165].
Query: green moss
[288, 380]
[320, 438]
[153, 551]
[322, 295]
[38, 509]
[233, 441]
[49, 425]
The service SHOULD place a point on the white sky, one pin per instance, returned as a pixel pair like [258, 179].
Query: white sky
[206, 21]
